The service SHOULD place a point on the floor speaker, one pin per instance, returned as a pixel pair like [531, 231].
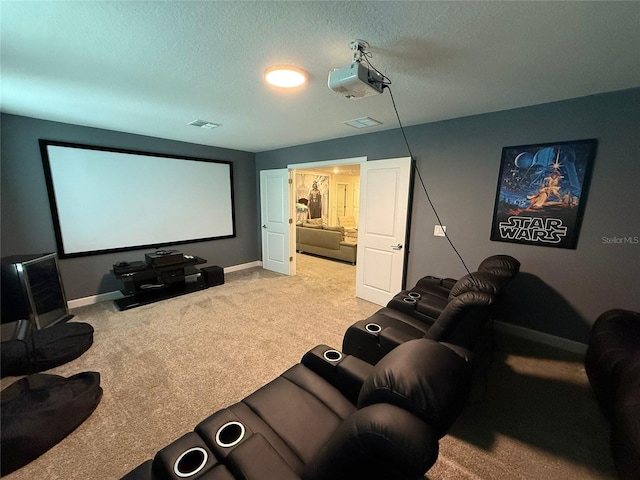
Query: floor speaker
[213, 276]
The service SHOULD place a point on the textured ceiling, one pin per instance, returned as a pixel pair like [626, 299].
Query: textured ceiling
[152, 67]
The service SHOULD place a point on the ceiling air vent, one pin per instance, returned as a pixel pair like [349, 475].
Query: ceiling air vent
[363, 122]
[204, 124]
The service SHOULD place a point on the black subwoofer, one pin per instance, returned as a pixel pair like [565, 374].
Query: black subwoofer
[213, 275]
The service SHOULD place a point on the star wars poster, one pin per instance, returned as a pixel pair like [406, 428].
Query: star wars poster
[542, 193]
[312, 192]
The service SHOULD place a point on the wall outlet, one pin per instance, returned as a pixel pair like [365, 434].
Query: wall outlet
[438, 230]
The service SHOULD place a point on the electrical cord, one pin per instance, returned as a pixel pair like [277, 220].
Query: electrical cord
[386, 84]
[366, 56]
[424, 188]
[485, 373]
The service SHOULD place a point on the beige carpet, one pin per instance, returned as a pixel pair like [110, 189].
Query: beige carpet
[167, 366]
[532, 416]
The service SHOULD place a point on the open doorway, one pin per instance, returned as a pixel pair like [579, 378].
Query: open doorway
[330, 193]
[335, 172]
[381, 229]
[327, 200]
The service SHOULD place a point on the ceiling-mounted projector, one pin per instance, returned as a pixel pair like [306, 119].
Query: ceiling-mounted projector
[355, 81]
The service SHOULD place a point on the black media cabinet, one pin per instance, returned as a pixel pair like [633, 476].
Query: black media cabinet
[145, 284]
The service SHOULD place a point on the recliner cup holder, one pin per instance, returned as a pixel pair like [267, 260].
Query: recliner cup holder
[332, 355]
[415, 295]
[230, 434]
[190, 462]
[409, 300]
[373, 328]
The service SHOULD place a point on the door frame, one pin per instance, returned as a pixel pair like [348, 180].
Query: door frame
[292, 205]
[326, 163]
[336, 162]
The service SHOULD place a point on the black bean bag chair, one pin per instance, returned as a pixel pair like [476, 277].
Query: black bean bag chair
[45, 349]
[40, 410]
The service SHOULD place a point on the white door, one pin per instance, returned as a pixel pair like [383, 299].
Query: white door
[384, 200]
[274, 206]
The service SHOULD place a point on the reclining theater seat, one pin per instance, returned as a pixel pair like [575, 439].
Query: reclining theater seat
[502, 266]
[460, 323]
[427, 300]
[468, 303]
[612, 363]
[329, 417]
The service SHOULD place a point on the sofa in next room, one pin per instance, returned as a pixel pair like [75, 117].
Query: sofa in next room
[325, 241]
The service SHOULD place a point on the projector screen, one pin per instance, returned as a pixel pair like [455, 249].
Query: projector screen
[106, 200]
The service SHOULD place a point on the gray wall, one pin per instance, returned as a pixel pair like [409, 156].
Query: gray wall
[27, 226]
[561, 291]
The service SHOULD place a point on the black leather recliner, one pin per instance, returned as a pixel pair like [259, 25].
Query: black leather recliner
[332, 416]
[503, 266]
[460, 323]
[500, 265]
[612, 363]
[427, 300]
[447, 310]
[431, 294]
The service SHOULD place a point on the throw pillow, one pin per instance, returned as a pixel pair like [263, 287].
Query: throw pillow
[334, 229]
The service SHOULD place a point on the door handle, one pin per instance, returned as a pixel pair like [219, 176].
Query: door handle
[264, 226]
[397, 247]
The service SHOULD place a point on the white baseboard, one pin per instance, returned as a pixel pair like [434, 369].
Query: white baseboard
[541, 337]
[101, 297]
[110, 296]
[243, 266]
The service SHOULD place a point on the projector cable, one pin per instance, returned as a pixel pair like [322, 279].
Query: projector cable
[424, 188]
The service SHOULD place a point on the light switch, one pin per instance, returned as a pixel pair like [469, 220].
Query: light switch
[438, 230]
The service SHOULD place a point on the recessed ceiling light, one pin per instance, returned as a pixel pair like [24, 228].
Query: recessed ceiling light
[285, 76]
[363, 122]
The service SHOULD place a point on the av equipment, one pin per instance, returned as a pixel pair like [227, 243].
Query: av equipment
[32, 290]
[213, 275]
[357, 80]
[164, 257]
[164, 274]
[121, 268]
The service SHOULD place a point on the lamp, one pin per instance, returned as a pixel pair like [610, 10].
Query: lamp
[285, 76]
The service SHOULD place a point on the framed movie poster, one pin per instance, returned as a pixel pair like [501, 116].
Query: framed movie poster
[312, 196]
[542, 193]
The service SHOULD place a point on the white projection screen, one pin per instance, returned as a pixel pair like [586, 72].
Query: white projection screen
[107, 200]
